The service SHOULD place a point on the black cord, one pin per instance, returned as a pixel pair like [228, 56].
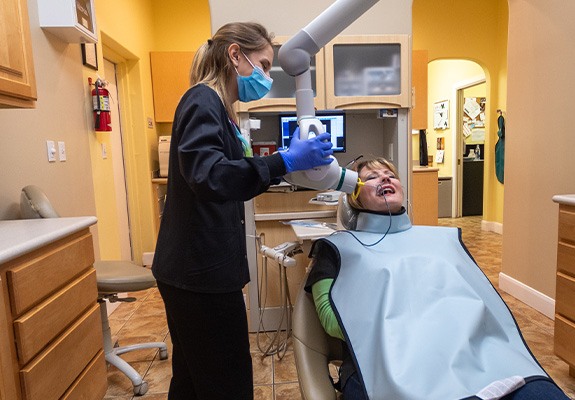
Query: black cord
[380, 239]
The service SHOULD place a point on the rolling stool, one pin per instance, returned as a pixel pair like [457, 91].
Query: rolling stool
[115, 277]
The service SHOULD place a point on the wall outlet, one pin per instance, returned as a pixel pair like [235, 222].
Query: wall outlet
[62, 151]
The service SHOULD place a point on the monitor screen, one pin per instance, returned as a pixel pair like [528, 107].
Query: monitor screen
[334, 123]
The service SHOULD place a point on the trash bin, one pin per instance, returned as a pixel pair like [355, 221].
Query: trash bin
[444, 194]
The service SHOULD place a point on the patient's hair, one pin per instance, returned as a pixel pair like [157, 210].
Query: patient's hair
[371, 164]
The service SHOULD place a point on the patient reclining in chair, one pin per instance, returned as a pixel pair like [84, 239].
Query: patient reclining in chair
[419, 318]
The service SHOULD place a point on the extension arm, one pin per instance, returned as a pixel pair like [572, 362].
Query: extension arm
[294, 57]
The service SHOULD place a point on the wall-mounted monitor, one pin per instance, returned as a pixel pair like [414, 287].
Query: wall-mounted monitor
[333, 122]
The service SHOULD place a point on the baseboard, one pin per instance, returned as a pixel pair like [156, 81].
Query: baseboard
[537, 300]
[491, 226]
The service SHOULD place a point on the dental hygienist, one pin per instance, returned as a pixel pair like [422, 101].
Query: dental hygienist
[200, 261]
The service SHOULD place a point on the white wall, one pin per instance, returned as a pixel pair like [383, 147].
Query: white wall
[62, 114]
[540, 138]
[288, 17]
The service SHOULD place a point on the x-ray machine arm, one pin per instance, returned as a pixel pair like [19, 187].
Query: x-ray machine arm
[294, 57]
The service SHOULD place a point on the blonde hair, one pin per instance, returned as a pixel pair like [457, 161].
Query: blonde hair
[371, 164]
[212, 66]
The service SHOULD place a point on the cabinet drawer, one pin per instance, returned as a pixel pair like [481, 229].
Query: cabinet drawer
[566, 258]
[288, 202]
[565, 296]
[55, 369]
[35, 329]
[47, 269]
[567, 224]
[565, 339]
[92, 383]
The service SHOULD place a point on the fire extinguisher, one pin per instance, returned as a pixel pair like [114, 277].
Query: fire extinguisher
[101, 106]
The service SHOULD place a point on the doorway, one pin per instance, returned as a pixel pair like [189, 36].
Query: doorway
[118, 164]
[470, 146]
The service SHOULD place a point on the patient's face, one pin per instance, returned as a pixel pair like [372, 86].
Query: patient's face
[380, 185]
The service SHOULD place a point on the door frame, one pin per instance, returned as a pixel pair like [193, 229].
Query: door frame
[457, 156]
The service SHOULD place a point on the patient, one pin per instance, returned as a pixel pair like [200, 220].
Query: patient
[420, 319]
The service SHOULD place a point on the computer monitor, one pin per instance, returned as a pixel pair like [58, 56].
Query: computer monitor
[334, 123]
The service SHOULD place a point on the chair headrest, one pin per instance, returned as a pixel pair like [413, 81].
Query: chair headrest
[35, 204]
[346, 214]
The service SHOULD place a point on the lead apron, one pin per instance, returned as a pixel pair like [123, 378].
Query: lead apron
[421, 318]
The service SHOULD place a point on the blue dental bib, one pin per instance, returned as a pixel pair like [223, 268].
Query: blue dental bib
[421, 319]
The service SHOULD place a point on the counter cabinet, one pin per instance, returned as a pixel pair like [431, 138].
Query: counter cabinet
[424, 196]
[564, 341]
[17, 78]
[269, 211]
[51, 345]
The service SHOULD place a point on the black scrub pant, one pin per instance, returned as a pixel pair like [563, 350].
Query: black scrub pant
[211, 352]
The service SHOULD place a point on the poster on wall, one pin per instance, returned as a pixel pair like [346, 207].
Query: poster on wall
[474, 118]
[441, 115]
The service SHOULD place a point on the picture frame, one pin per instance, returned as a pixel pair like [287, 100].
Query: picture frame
[441, 115]
[90, 55]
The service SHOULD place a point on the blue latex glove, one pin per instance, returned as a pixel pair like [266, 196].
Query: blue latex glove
[306, 154]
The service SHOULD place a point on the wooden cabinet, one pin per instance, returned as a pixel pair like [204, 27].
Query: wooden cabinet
[270, 210]
[564, 342]
[419, 89]
[424, 196]
[17, 80]
[51, 345]
[170, 80]
[365, 72]
[282, 95]
[351, 72]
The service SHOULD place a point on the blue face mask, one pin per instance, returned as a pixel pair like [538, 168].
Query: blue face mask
[255, 86]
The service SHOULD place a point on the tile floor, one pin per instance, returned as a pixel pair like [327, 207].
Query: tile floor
[275, 379]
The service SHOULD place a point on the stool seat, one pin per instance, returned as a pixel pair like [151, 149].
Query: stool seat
[115, 277]
[122, 276]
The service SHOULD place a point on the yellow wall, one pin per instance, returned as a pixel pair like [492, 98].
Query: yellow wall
[124, 28]
[129, 31]
[443, 76]
[181, 25]
[476, 31]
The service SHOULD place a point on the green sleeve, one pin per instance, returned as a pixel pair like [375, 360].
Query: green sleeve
[320, 291]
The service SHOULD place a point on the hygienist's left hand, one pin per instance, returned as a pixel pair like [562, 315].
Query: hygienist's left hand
[306, 154]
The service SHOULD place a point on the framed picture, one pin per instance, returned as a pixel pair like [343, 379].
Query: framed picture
[90, 55]
[441, 115]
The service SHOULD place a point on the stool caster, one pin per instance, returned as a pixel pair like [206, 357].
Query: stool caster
[141, 389]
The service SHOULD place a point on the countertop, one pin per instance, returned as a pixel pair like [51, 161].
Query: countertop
[567, 199]
[420, 168]
[18, 237]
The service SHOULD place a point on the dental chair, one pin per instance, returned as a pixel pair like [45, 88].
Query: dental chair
[112, 277]
[314, 349]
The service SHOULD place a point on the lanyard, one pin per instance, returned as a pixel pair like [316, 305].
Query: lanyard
[245, 145]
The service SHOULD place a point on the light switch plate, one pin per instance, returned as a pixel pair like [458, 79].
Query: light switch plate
[51, 149]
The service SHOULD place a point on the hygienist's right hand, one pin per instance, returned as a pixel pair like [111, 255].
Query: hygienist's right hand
[306, 154]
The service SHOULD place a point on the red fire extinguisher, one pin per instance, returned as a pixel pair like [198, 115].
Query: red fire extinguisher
[101, 106]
